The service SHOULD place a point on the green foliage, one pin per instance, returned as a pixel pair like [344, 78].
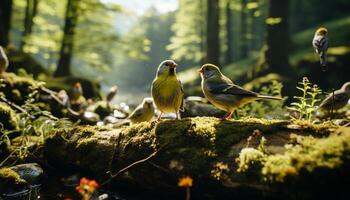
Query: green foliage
[187, 44]
[266, 108]
[305, 105]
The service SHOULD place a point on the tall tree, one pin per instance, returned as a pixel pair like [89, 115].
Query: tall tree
[66, 52]
[229, 33]
[277, 39]
[30, 13]
[5, 22]
[243, 41]
[213, 44]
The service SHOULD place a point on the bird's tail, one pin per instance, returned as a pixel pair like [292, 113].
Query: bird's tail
[269, 97]
[323, 61]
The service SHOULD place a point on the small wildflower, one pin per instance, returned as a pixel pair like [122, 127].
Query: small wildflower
[185, 182]
[87, 188]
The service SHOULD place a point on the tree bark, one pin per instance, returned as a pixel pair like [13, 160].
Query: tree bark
[243, 42]
[213, 45]
[229, 29]
[66, 52]
[277, 38]
[30, 13]
[5, 22]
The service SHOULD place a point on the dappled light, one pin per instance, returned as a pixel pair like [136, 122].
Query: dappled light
[174, 99]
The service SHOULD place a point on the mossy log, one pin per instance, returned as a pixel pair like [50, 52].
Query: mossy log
[204, 148]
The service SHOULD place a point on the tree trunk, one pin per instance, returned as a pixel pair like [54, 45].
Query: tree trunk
[30, 13]
[66, 52]
[229, 52]
[213, 46]
[5, 22]
[277, 38]
[243, 42]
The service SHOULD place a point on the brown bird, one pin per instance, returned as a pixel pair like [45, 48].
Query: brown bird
[338, 100]
[76, 92]
[223, 93]
[4, 62]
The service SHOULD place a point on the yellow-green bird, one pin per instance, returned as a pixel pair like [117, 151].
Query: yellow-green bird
[143, 112]
[223, 93]
[167, 91]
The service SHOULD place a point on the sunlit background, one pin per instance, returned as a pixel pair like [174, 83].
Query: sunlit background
[122, 42]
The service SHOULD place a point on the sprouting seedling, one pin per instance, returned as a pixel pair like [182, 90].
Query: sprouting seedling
[305, 104]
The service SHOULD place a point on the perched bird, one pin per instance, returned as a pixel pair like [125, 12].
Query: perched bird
[143, 112]
[338, 100]
[223, 93]
[167, 91]
[320, 44]
[63, 96]
[76, 93]
[111, 94]
[4, 62]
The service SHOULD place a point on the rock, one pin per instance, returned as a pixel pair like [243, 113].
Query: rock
[198, 108]
[11, 182]
[19, 179]
[90, 117]
[32, 173]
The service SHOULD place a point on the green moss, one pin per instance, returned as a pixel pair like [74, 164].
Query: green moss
[309, 156]
[322, 129]
[9, 178]
[251, 161]
[8, 118]
[17, 88]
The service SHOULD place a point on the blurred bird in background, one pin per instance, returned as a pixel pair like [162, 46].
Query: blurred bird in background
[76, 93]
[64, 98]
[111, 94]
[143, 112]
[320, 44]
[4, 62]
[223, 93]
[167, 91]
[337, 99]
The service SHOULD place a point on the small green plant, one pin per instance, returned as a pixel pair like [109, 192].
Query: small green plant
[305, 106]
[263, 108]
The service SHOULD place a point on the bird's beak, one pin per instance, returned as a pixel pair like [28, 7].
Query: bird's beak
[174, 65]
[200, 71]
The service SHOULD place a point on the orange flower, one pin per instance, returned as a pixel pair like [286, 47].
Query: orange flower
[185, 182]
[87, 187]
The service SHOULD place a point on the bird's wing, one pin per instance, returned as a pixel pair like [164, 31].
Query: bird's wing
[182, 107]
[136, 113]
[320, 44]
[225, 86]
[334, 99]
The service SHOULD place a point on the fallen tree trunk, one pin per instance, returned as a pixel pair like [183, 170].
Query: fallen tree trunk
[155, 156]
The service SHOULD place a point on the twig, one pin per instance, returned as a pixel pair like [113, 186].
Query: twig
[19, 108]
[131, 165]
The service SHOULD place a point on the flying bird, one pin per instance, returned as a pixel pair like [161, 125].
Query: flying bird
[320, 44]
[337, 99]
[223, 93]
[4, 62]
[167, 90]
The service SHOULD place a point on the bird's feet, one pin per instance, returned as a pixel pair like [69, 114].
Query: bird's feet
[159, 117]
[226, 116]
